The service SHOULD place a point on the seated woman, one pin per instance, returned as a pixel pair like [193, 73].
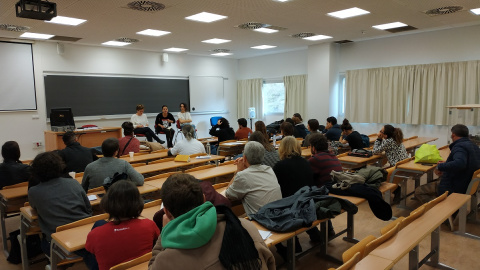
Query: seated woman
[350, 136]
[125, 236]
[390, 140]
[189, 146]
[163, 124]
[184, 116]
[223, 132]
[12, 170]
[271, 156]
[140, 125]
[313, 127]
[128, 143]
[287, 129]
[300, 129]
[260, 126]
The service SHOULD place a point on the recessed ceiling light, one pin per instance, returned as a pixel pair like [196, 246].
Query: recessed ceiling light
[266, 30]
[173, 49]
[221, 54]
[347, 13]
[317, 37]
[263, 47]
[475, 11]
[115, 43]
[216, 41]
[36, 35]
[66, 21]
[281, 0]
[205, 17]
[389, 25]
[152, 32]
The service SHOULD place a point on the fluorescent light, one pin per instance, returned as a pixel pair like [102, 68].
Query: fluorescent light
[216, 41]
[475, 11]
[115, 43]
[36, 35]
[317, 37]
[347, 13]
[281, 0]
[152, 32]
[221, 54]
[263, 47]
[389, 25]
[173, 49]
[205, 17]
[66, 21]
[266, 30]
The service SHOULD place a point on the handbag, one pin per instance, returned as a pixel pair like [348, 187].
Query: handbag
[360, 153]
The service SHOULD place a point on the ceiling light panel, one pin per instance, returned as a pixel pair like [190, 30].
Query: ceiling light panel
[348, 13]
[221, 54]
[173, 49]
[317, 37]
[153, 32]
[36, 35]
[66, 21]
[389, 25]
[115, 43]
[266, 30]
[475, 11]
[263, 47]
[216, 41]
[205, 17]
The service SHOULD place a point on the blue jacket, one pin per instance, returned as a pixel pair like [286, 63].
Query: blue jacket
[463, 161]
[333, 133]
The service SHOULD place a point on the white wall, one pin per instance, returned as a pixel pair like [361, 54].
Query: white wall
[20, 126]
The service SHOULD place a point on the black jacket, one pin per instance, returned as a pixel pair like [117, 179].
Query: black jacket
[77, 157]
[12, 173]
[223, 134]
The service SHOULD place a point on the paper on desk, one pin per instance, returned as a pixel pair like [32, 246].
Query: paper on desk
[203, 157]
[265, 234]
[92, 197]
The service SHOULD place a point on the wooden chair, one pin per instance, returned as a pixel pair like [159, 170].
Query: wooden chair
[350, 263]
[132, 263]
[152, 204]
[357, 248]
[435, 201]
[101, 188]
[220, 185]
[443, 147]
[161, 160]
[413, 215]
[138, 164]
[22, 184]
[390, 225]
[158, 176]
[227, 163]
[244, 139]
[159, 151]
[79, 174]
[380, 240]
[472, 191]
[27, 161]
[200, 168]
[198, 155]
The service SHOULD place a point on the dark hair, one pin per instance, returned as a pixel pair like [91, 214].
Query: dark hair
[225, 123]
[109, 146]
[11, 151]
[313, 124]
[46, 166]
[298, 116]
[184, 105]
[68, 137]
[346, 125]
[395, 133]
[290, 120]
[260, 126]
[296, 120]
[127, 128]
[181, 193]
[163, 106]
[242, 122]
[460, 130]
[140, 107]
[318, 141]
[332, 120]
[122, 201]
[257, 136]
[286, 128]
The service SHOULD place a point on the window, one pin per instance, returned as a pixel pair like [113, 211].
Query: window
[273, 94]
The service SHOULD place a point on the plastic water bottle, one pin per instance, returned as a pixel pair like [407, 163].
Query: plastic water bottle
[209, 150]
[249, 135]
[274, 140]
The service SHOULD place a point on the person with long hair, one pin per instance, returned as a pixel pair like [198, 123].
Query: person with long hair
[271, 156]
[189, 146]
[125, 236]
[163, 123]
[312, 126]
[350, 136]
[222, 131]
[184, 116]
[300, 129]
[140, 125]
[12, 170]
[260, 126]
[390, 140]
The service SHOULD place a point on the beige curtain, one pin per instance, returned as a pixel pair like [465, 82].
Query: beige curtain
[249, 94]
[295, 95]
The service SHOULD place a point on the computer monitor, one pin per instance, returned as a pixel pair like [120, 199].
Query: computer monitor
[61, 119]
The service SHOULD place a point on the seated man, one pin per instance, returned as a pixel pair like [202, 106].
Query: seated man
[198, 235]
[189, 146]
[457, 171]
[255, 184]
[12, 170]
[75, 156]
[58, 201]
[128, 143]
[106, 167]
[323, 162]
[332, 129]
[243, 131]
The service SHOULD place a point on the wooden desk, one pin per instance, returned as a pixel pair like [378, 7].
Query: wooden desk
[11, 200]
[307, 153]
[411, 145]
[87, 138]
[209, 140]
[146, 157]
[372, 262]
[142, 266]
[174, 164]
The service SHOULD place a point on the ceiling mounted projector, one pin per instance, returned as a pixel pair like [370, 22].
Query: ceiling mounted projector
[36, 9]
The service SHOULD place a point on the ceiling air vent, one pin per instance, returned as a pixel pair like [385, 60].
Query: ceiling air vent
[251, 25]
[443, 10]
[146, 6]
[220, 50]
[127, 40]
[14, 28]
[64, 38]
[303, 35]
[401, 29]
[342, 41]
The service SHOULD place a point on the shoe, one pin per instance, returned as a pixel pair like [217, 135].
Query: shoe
[331, 234]
[298, 247]
[398, 195]
[282, 251]
[315, 235]
[161, 141]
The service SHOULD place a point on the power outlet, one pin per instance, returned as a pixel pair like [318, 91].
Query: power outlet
[37, 145]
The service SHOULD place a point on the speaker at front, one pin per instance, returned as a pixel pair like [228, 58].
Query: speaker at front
[251, 112]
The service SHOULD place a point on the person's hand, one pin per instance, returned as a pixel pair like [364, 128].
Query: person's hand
[328, 126]
[437, 172]
[165, 220]
[160, 125]
[380, 135]
[139, 126]
[170, 121]
[240, 162]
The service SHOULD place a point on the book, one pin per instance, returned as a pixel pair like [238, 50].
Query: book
[182, 158]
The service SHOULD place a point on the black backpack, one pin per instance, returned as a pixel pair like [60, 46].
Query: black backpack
[108, 182]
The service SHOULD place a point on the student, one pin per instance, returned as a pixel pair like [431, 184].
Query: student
[140, 124]
[300, 129]
[260, 126]
[128, 143]
[75, 156]
[350, 136]
[313, 127]
[125, 237]
[390, 140]
[286, 129]
[163, 124]
[243, 131]
[184, 116]
[332, 129]
[323, 162]
[12, 170]
[223, 132]
[189, 146]
[271, 157]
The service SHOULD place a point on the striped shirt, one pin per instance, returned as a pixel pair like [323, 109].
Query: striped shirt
[323, 164]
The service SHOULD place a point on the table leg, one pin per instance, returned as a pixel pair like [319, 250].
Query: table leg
[23, 243]
[350, 229]
[3, 207]
[462, 220]
[413, 258]
[291, 253]
[53, 256]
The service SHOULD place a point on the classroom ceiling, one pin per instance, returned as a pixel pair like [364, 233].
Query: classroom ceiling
[112, 19]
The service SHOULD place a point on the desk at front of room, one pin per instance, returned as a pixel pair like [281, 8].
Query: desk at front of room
[87, 138]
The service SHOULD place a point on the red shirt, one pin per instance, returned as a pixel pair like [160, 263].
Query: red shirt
[113, 244]
[242, 133]
[323, 164]
[133, 146]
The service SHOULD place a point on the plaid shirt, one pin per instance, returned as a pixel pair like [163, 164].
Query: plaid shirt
[322, 164]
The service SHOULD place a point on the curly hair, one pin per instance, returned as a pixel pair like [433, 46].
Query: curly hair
[47, 166]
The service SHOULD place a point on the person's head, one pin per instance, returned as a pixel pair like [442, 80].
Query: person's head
[253, 153]
[181, 193]
[318, 142]
[297, 115]
[183, 107]
[11, 151]
[459, 131]
[313, 125]
[289, 120]
[257, 136]
[224, 123]
[346, 127]
[140, 109]
[296, 120]
[289, 147]
[164, 109]
[391, 132]
[69, 137]
[122, 202]
[332, 120]
[287, 129]
[127, 128]
[46, 166]
[110, 147]
[188, 131]
[242, 122]
[260, 126]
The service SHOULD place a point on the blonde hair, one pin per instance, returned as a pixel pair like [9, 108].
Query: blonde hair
[289, 147]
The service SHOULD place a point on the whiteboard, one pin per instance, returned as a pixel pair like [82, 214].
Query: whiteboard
[206, 94]
[17, 87]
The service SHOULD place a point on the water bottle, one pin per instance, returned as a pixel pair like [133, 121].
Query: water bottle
[208, 148]
[274, 140]
[249, 135]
